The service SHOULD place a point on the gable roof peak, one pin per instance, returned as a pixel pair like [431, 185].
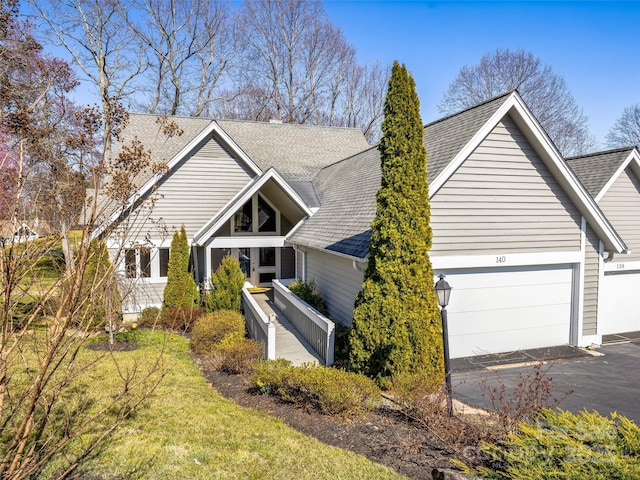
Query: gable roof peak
[463, 112]
[603, 152]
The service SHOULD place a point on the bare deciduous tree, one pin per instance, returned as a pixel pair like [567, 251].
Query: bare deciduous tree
[49, 411]
[626, 131]
[100, 43]
[191, 49]
[545, 92]
[297, 67]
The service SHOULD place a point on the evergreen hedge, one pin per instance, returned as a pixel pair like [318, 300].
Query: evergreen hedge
[397, 325]
[181, 289]
[562, 445]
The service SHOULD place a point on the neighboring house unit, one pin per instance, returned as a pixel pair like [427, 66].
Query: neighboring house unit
[613, 180]
[23, 231]
[511, 222]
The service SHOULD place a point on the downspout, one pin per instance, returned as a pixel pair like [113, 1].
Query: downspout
[194, 255]
[357, 267]
[303, 270]
[609, 257]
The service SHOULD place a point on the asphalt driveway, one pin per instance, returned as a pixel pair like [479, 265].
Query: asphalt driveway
[608, 383]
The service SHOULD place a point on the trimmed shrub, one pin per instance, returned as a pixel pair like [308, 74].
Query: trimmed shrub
[181, 289]
[307, 292]
[150, 317]
[330, 390]
[226, 286]
[562, 445]
[219, 329]
[180, 319]
[236, 357]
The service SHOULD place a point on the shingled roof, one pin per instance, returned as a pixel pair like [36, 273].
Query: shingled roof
[596, 169]
[148, 130]
[347, 189]
[444, 138]
[347, 194]
[297, 152]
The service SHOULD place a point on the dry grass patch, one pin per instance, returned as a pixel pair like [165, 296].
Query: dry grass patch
[189, 431]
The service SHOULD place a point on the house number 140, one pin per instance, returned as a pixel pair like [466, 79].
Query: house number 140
[501, 259]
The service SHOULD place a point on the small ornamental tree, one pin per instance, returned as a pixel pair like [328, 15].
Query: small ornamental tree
[397, 324]
[181, 289]
[100, 275]
[226, 286]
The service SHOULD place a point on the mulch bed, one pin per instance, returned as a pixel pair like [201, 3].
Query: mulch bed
[384, 436]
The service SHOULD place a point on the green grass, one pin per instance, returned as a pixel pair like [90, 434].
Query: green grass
[188, 431]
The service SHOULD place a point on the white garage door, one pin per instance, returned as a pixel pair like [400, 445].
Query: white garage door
[620, 302]
[501, 310]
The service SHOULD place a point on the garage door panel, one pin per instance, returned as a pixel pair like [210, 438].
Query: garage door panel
[515, 296]
[500, 310]
[619, 311]
[510, 340]
[502, 320]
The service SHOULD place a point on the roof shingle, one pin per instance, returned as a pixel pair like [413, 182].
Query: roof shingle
[347, 189]
[596, 169]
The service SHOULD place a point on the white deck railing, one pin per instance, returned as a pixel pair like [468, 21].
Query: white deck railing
[316, 329]
[259, 326]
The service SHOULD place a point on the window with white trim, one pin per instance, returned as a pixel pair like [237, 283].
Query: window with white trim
[258, 215]
[137, 262]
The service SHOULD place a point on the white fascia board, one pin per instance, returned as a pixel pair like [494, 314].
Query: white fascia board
[213, 127]
[499, 260]
[551, 157]
[246, 242]
[242, 197]
[296, 227]
[623, 166]
[463, 154]
[330, 252]
[567, 179]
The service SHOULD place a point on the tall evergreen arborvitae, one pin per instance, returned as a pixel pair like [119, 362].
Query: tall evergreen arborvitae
[397, 326]
[181, 289]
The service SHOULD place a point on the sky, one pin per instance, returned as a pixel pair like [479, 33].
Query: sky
[594, 45]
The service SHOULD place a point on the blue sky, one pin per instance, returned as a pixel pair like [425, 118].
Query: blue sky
[594, 45]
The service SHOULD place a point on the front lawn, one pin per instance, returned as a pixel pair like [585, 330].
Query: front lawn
[189, 431]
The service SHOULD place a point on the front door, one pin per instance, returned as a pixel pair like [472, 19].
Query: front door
[259, 264]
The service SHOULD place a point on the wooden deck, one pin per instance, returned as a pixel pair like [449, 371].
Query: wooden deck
[289, 343]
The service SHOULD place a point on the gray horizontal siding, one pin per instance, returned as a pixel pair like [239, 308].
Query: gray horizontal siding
[591, 281]
[621, 205]
[138, 295]
[196, 190]
[503, 198]
[337, 283]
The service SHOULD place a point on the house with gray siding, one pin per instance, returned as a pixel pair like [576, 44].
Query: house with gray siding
[510, 220]
[221, 184]
[612, 281]
[516, 233]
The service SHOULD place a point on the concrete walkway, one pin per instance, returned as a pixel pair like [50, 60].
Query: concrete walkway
[289, 343]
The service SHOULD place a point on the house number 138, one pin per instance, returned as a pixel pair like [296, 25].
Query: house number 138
[501, 259]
